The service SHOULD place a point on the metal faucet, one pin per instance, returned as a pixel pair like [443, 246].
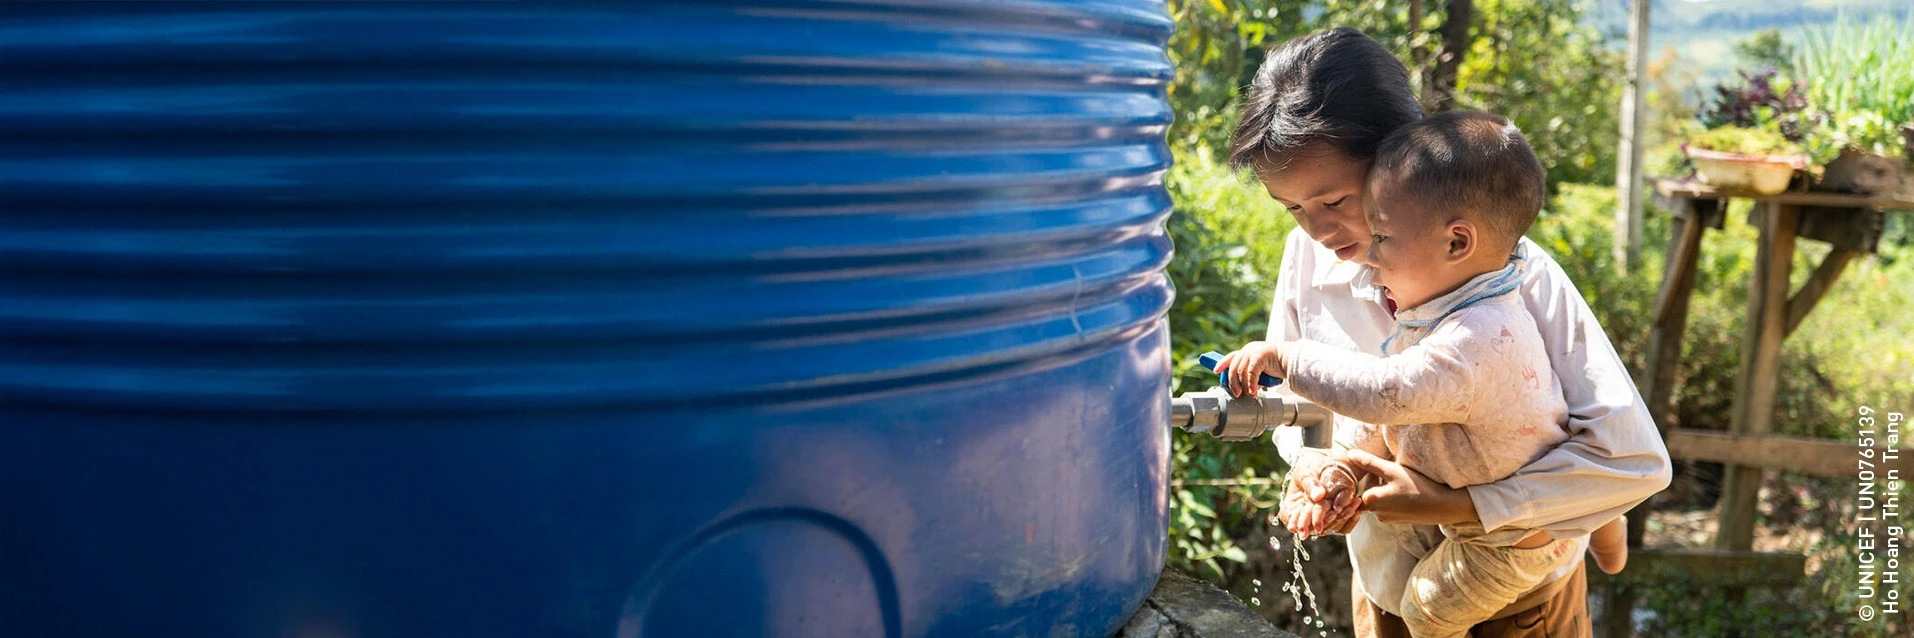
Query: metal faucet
[1218, 414]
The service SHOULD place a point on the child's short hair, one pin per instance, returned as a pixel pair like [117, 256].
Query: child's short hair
[1466, 164]
[1336, 86]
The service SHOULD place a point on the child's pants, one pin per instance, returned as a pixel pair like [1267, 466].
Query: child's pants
[1460, 584]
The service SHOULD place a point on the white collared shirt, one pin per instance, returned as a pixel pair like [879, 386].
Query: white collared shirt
[1613, 459]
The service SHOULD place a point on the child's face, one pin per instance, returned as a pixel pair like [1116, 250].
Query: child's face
[1323, 190]
[1411, 250]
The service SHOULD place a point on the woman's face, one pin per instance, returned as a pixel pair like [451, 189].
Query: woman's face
[1322, 188]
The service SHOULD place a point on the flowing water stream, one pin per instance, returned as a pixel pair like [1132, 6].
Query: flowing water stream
[1298, 585]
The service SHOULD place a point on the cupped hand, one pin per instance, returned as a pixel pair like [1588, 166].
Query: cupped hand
[1319, 499]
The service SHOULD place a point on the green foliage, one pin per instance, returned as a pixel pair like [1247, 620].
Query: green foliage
[1229, 241]
[1765, 49]
[1539, 63]
[1229, 244]
[1861, 76]
[1746, 141]
[1849, 86]
[1669, 87]
[1766, 102]
[1536, 62]
[1211, 48]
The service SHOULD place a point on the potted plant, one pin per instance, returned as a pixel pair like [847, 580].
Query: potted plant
[1862, 99]
[1741, 159]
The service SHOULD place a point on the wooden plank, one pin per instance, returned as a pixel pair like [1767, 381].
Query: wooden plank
[1682, 251]
[1844, 200]
[1706, 567]
[1760, 369]
[1696, 190]
[1818, 284]
[1818, 457]
[1713, 211]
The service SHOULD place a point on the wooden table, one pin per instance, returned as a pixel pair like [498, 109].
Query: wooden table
[1852, 224]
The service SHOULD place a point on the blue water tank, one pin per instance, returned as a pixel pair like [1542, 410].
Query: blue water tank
[646, 319]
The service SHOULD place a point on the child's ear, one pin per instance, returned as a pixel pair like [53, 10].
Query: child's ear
[1462, 240]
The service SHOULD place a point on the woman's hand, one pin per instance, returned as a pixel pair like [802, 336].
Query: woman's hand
[1248, 363]
[1402, 495]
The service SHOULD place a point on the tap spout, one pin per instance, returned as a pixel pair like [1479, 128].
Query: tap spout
[1218, 414]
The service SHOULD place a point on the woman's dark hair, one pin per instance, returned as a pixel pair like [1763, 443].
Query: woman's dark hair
[1337, 86]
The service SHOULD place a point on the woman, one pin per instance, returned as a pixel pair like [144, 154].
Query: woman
[1311, 122]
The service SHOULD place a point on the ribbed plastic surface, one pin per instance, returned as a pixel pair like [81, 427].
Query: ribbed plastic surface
[837, 318]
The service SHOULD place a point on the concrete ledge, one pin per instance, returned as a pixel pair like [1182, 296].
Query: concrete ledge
[1183, 607]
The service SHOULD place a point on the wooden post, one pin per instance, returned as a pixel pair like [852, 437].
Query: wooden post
[1628, 173]
[1760, 367]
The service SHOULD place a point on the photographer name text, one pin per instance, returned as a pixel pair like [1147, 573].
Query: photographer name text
[1878, 501]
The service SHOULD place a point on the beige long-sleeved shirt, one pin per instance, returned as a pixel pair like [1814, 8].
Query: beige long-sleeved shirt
[1613, 459]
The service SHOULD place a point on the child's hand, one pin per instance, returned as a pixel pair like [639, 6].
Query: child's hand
[1342, 497]
[1322, 497]
[1335, 510]
[1250, 363]
[1311, 519]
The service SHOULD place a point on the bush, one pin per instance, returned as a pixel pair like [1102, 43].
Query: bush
[1229, 243]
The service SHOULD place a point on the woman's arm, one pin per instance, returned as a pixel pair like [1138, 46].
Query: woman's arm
[1614, 457]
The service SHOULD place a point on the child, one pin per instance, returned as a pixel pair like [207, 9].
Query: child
[1464, 392]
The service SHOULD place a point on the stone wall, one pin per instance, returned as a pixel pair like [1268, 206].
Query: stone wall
[1183, 607]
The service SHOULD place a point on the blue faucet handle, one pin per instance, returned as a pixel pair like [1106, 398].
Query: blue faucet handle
[1211, 358]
